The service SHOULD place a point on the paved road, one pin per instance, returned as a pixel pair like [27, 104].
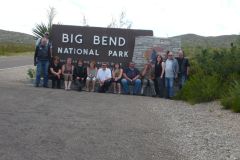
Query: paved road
[37, 124]
[15, 61]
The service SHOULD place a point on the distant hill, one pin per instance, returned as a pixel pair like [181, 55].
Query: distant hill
[15, 37]
[193, 40]
[188, 40]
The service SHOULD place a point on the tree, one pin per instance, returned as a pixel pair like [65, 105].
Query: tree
[41, 28]
[123, 22]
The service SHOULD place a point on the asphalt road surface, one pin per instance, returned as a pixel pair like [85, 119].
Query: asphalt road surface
[15, 61]
[47, 124]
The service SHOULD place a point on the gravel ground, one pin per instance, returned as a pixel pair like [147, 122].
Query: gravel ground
[200, 132]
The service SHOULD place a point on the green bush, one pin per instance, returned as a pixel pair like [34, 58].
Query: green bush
[31, 73]
[231, 100]
[201, 88]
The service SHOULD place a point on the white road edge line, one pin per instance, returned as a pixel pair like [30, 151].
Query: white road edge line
[16, 67]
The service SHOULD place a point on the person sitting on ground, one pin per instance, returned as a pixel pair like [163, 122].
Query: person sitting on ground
[41, 59]
[91, 76]
[80, 74]
[131, 76]
[104, 77]
[55, 70]
[116, 77]
[148, 78]
[67, 71]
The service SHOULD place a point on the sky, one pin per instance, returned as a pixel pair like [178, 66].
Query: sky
[166, 18]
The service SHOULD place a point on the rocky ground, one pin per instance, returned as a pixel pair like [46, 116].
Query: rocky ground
[108, 126]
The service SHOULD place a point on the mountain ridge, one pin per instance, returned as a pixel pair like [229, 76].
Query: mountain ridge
[188, 40]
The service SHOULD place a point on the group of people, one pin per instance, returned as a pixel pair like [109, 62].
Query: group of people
[159, 75]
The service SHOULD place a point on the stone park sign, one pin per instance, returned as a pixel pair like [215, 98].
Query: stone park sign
[94, 43]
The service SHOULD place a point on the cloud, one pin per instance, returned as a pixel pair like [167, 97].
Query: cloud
[165, 17]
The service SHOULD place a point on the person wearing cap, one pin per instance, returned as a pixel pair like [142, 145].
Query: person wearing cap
[41, 60]
[46, 35]
[104, 77]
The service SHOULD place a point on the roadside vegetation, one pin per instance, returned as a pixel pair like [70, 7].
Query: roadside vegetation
[13, 49]
[215, 75]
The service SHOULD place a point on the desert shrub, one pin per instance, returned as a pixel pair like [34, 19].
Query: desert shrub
[231, 99]
[10, 48]
[31, 73]
[201, 88]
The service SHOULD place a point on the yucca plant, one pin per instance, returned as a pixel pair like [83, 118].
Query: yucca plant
[40, 29]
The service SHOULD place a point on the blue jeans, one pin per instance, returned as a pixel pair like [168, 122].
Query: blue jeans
[136, 83]
[169, 86]
[182, 80]
[42, 67]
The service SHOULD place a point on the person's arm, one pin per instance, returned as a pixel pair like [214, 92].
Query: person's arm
[144, 70]
[35, 56]
[163, 69]
[125, 75]
[109, 75]
[120, 74]
[63, 69]
[137, 75]
[113, 75]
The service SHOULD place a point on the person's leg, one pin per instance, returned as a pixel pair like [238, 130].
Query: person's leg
[58, 82]
[70, 78]
[114, 87]
[167, 87]
[151, 84]
[119, 87]
[161, 87]
[38, 73]
[125, 86]
[54, 79]
[182, 81]
[171, 89]
[93, 84]
[45, 66]
[144, 85]
[87, 84]
[137, 86]
[106, 85]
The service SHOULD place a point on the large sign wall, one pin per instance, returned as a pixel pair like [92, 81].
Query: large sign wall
[93, 43]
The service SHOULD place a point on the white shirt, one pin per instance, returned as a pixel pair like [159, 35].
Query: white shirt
[102, 75]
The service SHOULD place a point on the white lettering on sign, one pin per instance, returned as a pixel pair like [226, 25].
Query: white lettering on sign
[71, 38]
[111, 41]
[78, 51]
[117, 53]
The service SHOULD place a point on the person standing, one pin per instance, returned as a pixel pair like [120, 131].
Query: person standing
[104, 77]
[46, 35]
[80, 74]
[184, 68]
[41, 60]
[171, 72]
[131, 77]
[55, 70]
[159, 75]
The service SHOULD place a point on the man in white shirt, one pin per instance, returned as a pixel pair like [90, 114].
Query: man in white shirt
[104, 77]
